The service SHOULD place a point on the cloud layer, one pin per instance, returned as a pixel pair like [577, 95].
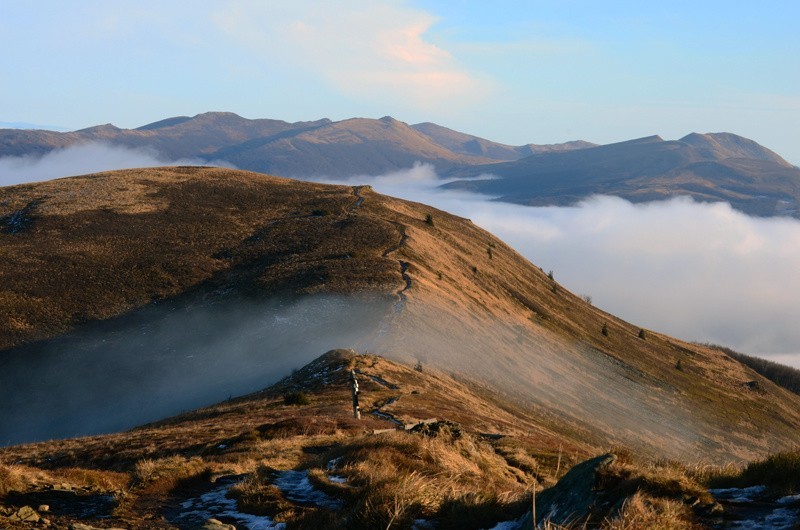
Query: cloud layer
[82, 159]
[376, 51]
[701, 272]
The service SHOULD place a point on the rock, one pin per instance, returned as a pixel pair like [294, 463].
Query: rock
[216, 524]
[25, 514]
[572, 498]
[43, 508]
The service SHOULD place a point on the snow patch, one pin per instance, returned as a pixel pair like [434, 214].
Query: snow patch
[216, 504]
[296, 487]
[738, 494]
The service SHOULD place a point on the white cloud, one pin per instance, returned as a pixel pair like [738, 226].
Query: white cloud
[702, 272]
[82, 159]
[370, 50]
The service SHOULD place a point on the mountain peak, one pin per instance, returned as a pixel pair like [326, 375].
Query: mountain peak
[101, 129]
[728, 145]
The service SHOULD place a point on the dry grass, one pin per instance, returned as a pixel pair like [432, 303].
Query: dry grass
[167, 470]
[642, 512]
[12, 478]
[780, 472]
[395, 478]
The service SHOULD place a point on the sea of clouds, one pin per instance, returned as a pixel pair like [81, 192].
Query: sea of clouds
[82, 159]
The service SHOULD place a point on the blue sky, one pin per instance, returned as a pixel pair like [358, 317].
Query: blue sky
[515, 72]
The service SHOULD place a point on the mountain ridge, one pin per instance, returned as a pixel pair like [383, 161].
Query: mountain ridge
[707, 168]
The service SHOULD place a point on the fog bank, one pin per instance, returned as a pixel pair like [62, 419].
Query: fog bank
[163, 360]
[81, 159]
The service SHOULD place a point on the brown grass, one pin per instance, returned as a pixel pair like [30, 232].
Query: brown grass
[12, 478]
[167, 470]
[397, 477]
[780, 472]
[642, 512]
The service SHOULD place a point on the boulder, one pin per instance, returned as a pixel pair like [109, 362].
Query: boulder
[25, 514]
[571, 500]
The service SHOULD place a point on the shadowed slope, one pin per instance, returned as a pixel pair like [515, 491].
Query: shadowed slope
[710, 167]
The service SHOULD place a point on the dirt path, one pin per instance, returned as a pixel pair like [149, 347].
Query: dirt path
[359, 199]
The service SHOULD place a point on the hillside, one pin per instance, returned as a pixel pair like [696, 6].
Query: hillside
[707, 167]
[428, 451]
[181, 264]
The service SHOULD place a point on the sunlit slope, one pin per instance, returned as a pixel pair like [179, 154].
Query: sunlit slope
[87, 248]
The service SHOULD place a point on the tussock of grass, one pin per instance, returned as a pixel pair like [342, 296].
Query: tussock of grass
[92, 478]
[168, 469]
[643, 512]
[779, 472]
[11, 478]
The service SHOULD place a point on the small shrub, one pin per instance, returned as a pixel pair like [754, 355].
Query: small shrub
[587, 298]
[429, 219]
[642, 334]
[550, 275]
[489, 252]
[604, 331]
[418, 366]
[474, 269]
[11, 478]
[678, 365]
[296, 398]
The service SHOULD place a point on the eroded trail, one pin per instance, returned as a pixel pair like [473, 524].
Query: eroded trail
[401, 302]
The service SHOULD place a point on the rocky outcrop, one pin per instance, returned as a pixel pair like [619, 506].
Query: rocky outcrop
[573, 498]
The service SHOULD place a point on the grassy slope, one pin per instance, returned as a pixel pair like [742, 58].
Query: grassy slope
[257, 433]
[102, 245]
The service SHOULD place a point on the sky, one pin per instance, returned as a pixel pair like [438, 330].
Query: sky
[514, 72]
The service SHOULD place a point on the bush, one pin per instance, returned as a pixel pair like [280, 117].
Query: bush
[642, 334]
[429, 219]
[604, 331]
[296, 398]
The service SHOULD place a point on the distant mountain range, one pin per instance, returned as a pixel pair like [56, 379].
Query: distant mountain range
[707, 167]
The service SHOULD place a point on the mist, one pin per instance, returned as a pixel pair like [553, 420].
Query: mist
[162, 360]
[81, 159]
[698, 271]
